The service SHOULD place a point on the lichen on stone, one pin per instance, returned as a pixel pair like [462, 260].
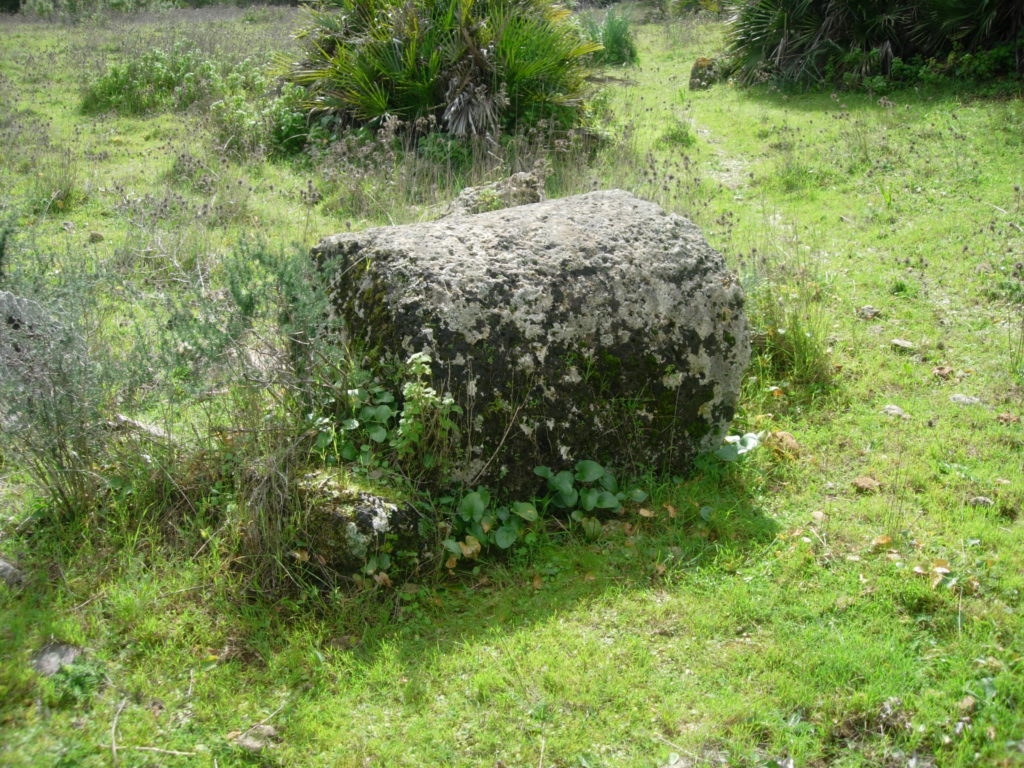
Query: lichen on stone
[604, 327]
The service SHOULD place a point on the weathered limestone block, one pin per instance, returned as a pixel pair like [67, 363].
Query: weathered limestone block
[346, 528]
[595, 326]
[518, 189]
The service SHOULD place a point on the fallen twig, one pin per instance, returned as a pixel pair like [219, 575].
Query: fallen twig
[162, 751]
[113, 731]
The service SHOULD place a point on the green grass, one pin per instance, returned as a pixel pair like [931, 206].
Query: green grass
[783, 622]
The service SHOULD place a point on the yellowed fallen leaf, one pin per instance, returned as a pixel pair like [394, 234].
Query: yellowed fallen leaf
[784, 442]
[670, 509]
[451, 562]
[537, 581]
[881, 542]
[966, 704]
[866, 484]
[644, 512]
[470, 548]
[382, 579]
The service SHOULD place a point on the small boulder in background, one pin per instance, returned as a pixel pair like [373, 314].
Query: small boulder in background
[704, 73]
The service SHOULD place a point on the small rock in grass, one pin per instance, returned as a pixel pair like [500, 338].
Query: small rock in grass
[258, 738]
[867, 312]
[783, 442]
[53, 656]
[895, 411]
[942, 371]
[703, 74]
[902, 345]
[866, 484]
[981, 501]
[95, 237]
[964, 399]
[10, 575]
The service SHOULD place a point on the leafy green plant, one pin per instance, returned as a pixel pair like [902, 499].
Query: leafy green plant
[614, 35]
[805, 41]
[477, 523]
[587, 490]
[473, 68]
[73, 685]
[175, 79]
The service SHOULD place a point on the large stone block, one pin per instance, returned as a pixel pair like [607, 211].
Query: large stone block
[595, 326]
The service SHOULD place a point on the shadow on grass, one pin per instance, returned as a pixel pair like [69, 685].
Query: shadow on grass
[696, 530]
[827, 99]
[130, 605]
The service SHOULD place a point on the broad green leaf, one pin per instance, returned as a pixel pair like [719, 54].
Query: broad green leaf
[452, 546]
[505, 536]
[609, 483]
[544, 472]
[349, 424]
[588, 498]
[591, 527]
[525, 510]
[562, 482]
[606, 500]
[472, 505]
[567, 500]
[635, 494]
[589, 471]
[377, 433]
[382, 413]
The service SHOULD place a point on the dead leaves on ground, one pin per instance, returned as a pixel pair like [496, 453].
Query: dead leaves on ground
[866, 484]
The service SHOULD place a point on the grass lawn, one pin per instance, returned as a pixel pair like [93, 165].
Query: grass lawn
[848, 595]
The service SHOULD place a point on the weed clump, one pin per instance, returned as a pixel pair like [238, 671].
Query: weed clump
[171, 79]
[615, 36]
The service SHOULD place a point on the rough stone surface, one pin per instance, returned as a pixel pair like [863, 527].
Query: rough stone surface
[10, 575]
[703, 74]
[346, 527]
[53, 656]
[518, 189]
[595, 326]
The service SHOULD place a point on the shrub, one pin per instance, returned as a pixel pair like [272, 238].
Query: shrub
[615, 38]
[168, 79]
[805, 41]
[473, 67]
